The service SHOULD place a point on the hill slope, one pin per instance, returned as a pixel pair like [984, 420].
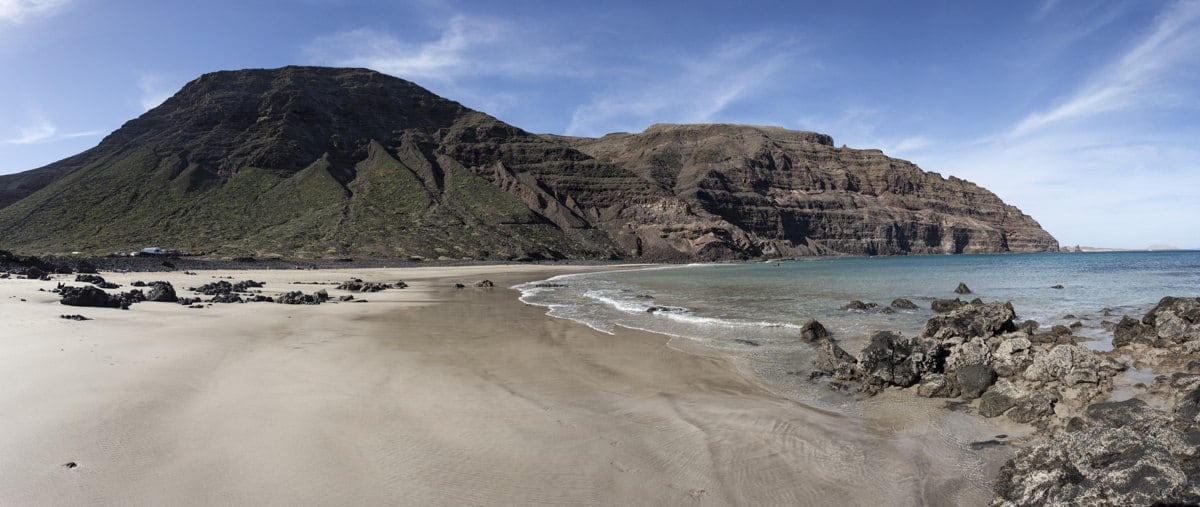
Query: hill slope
[312, 161]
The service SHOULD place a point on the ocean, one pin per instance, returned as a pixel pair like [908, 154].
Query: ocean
[754, 310]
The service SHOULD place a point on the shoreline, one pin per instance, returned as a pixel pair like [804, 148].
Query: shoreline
[421, 394]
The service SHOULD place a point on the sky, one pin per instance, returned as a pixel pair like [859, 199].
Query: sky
[1084, 114]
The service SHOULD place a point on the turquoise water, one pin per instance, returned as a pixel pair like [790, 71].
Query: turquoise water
[759, 306]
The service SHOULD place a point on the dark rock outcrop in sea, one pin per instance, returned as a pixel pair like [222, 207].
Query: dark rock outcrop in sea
[306, 161]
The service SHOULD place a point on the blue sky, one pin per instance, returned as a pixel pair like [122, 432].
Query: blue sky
[1084, 114]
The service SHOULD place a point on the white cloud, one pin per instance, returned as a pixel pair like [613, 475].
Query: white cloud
[40, 130]
[1148, 74]
[466, 47]
[696, 88]
[19, 11]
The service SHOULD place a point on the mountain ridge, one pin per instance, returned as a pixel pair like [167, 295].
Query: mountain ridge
[312, 161]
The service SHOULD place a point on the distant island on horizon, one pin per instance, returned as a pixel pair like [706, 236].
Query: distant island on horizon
[318, 162]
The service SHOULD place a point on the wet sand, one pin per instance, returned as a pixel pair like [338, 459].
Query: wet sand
[429, 395]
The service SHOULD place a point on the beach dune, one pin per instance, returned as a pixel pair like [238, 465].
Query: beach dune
[422, 396]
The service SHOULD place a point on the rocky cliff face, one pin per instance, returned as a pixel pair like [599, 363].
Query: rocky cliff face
[794, 193]
[318, 161]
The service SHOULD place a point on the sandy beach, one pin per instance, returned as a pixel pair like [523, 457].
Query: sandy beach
[428, 395]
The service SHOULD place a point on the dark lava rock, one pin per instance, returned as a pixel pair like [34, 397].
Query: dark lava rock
[994, 403]
[1058, 286]
[947, 305]
[1076, 325]
[1029, 326]
[548, 285]
[459, 286]
[187, 301]
[1060, 330]
[888, 310]
[35, 273]
[830, 360]
[891, 359]
[226, 297]
[73, 317]
[357, 285]
[161, 292]
[224, 287]
[1099, 466]
[903, 304]
[962, 289]
[90, 296]
[974, 379]
[812, 331]
[136, 283]
[985, 320]
[1034, 407]
[860, 306]
[300, 298]
[1131, 330]
[96, 280]
[485, 284]
[750, 343]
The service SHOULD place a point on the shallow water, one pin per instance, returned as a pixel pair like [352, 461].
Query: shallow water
[751, 313]
[727, 306]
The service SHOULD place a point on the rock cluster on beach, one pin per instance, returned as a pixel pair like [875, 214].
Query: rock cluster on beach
[1095, 451]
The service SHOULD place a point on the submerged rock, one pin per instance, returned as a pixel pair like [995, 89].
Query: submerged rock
[812, 331]
[962, 289]
[903, 304]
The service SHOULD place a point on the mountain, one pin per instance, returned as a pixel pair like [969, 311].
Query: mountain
[310, 161]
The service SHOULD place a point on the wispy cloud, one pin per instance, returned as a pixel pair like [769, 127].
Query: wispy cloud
[1111, 160]
[155, 89]
[466, 47]
[39, 130]
[694, 88]
[1145, 75]
[19, 11]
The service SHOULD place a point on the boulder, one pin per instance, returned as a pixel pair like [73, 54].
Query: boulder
[1175, 320]
[90, 296]
[1130, 330]
[830, 360]
[947, 305]
[1012, 356]
[300, 298]
[1033, 407]
[903, 304]
[357, 285]
[962, 289]
[891, 359]
[812, 331]
[982, 320]
[1138, 416]
[485, 284]
[859, 306]
[999, 399]
[1099, 466]
[936, 385]
[1069, 364]
[974, 379]
[162, 292]
[95, 280]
